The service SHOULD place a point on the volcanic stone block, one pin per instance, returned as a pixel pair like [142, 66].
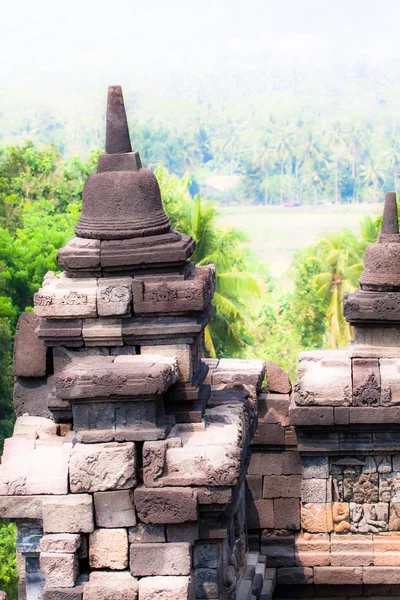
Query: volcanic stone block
[312, 549]
[390, 380]
[278, 548]
[165, 588]
[254, 489]
[265, 463]
[277, 379]
[68, 514]
[269, 433]
[366, 382]
[379, 575]
[160, 559]
[106, 585]
[66, 543]
[114, 296]
[387, 549]
[206, 556]
[206, 583]
[166, 505]
[351, 550]
[74, 593]
[260, 514]
[295, 576]
[338, 575]
[290, 436]
[324, 379]
[80, 254]
[316, 518]
[146, 534]
[286, 513]
[102, 331]
[62, 296]
[86, 469]
[94, 422]
[21, 507]
[214, 495]
[282, 486]
[60, 570]
[190, 295]
[185, 532]
[105, 376]
[315, 467]
[115, 509]
[273, 408]
[313, 490]
[341, 415]
[61, 332]
[247, 372]
[108, 549]
[29, 350]
[29, 468]
[183, 353]
[32, 396]
[310, 416]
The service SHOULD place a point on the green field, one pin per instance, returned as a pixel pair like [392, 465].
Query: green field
[275, 232]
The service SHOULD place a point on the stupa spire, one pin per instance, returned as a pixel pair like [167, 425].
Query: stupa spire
[390, 219]
[117, 132]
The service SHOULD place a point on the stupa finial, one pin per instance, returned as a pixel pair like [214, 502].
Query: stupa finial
[390, 220]
[117, 131]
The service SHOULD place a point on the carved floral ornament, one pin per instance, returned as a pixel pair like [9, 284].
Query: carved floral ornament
[42, 300]
[388, 304]
[74, 298]
[163, 293]
[117, 293]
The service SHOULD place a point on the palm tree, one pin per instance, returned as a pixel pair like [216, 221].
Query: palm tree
[372, 175]
[284, 148]
[340, 258]
[335, 140]
[393, 158]
[265, 159]
[235, 285]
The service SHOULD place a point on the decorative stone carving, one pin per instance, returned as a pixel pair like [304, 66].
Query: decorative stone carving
[324, 379]
[368, 518]
[341, 517]
[114, 296]
[66, 297]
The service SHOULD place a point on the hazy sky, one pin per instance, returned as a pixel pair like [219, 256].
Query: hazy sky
[75, 42]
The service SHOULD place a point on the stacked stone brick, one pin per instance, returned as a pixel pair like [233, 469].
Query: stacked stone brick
[126, 470]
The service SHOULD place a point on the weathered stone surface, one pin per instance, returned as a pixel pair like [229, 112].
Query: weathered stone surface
[21, 507]
[260, 514]
[160, 559]
[314, 490]
[125, 375]
[207, 454]
[114, 296]
[190, 295]
[272, 434]
[32, 396]
[247, 372]
[34, 467]
[316, 518]
[275, 463]
[309, 416]
[286, 513]
[183, 353]
[324, 379]
[74, 593]
[106, 585]
[79, 254]
[183, 532]
[166, 505]
[254, 489]
[62, 296]
[146, 534]
[277, 379]
[108, 549]
[115, 509]
[351, 551]
[166, 588]
[390, 380]
[273, 408]
[282, 486]
[379, 575]
[295, 576]
[338, 575]
[206, 583]
[86, 469]
[61, 542]
[315, 467]
[60, 570]
[214, 495]
[68, 514]
[29, 350]
[312, 549]
[61, 332]
[105, 331]
[206, 556]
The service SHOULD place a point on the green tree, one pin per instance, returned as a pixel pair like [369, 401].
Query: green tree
[8, 560]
